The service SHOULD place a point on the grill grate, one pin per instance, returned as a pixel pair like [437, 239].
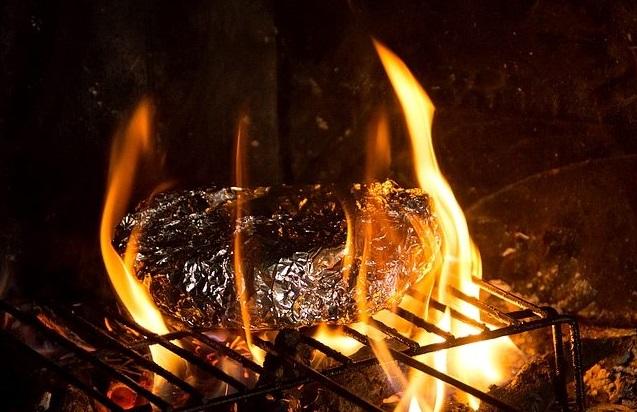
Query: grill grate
[525, 318]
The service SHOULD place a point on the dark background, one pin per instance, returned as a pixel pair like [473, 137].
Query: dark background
[524, 90]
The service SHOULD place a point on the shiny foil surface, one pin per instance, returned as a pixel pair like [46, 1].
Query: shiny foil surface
[300, 269]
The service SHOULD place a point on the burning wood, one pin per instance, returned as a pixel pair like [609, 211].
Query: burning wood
[296, 252]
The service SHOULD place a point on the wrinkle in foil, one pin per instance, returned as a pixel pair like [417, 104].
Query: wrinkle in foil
[293, 247]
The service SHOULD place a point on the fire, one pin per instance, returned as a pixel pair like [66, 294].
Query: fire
[335, 338]
[130, 146]
[474, 364]
[241, 180]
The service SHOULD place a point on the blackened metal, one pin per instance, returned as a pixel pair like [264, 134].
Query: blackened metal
[219, 347]
[407, 356]
[68, 376]
[559, 375]
[393, 333]
[491, 310]
[294, 259]
[413, 363]
[441, 307]
[184, 354]
[332, 353]
[429, 327]
[576, 353]
[83, 354]
[117, 345]
[523, 314]
[485, 397]
[319, 377]
[509, 297]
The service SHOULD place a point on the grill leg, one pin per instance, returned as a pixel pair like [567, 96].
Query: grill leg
[559, 380]
[576, 353]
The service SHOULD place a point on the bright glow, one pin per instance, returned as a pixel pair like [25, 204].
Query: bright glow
[378, 153]
[476, 363]
[130, 146]
[334, 338]
[413, 405]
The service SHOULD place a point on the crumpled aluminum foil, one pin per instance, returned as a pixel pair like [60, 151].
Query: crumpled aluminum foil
[296, 267]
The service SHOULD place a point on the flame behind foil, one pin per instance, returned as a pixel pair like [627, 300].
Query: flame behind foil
[130, 146]
[475, 364]
[241, 180]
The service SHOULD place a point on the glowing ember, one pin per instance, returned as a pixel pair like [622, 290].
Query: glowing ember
[130, 146]
[474, 364]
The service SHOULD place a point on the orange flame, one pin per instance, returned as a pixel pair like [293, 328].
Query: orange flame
[474, 364]
[241, 180]
[378, 150]
[335, 338]
[375, 225]
[130, 146]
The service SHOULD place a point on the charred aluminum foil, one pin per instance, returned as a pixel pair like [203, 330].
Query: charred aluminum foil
[299, 267]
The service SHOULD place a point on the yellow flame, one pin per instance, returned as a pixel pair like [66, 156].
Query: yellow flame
[378, 153]
[130, 146]
[241, 180]
[475, 364]
[335, 338]
[377, 227]
[414, 406]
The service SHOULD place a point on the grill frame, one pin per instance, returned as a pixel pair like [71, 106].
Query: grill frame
[526, 318]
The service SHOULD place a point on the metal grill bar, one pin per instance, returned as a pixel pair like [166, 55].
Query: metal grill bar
[184, 354]
[509, 297]
[491, 310]
[83, 354]
[528, 317]
[413, 363]
[219, 347]
[389, 331]
[67, 375]
[332, 353]
[429, 327]
[319, 377]
[441, 307]
[148, 364]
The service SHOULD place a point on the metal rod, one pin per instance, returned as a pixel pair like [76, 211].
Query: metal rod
[492, 334]
[496, 313]
[413, 363]
[279, 386]
[517, 322]
[441, 307]
[576, 354]
[146, 363]
[509, 297]
[84, 354]
[560, 367]
[357, 365]
[318, 377]
[332, 353]
[523, 314]
[62, 372]
[421, 323]
[184, 354]
[393, 333]
[232, 354]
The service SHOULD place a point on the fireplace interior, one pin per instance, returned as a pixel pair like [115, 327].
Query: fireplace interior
[534, 130]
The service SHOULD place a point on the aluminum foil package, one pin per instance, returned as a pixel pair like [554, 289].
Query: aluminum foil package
[307, 254]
